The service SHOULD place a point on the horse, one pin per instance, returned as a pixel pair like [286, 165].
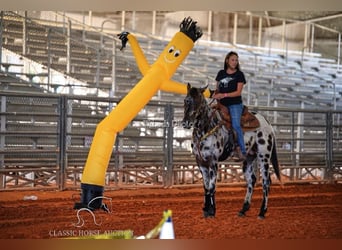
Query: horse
[213, 142]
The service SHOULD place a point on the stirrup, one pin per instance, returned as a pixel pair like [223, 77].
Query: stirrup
[237, 155]
[241, 158]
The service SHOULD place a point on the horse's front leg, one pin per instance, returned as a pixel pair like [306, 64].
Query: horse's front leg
[209, 184]
[250, 177]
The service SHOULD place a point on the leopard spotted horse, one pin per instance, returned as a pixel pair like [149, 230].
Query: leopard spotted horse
[213, 142]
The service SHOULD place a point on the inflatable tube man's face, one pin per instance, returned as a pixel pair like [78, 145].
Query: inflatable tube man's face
[174, 53]
[179, 47]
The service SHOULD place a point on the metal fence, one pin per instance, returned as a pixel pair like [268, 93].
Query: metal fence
[45, 139]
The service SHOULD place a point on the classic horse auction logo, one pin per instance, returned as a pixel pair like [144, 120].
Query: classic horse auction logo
[81, 221]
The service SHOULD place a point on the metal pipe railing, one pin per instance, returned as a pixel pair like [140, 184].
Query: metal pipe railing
[66, 146]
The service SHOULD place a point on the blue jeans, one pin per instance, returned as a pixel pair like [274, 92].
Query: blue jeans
[235, 114]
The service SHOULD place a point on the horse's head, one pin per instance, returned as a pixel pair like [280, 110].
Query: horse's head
[193, 103]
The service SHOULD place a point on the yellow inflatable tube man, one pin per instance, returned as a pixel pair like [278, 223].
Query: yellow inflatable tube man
[156, 77]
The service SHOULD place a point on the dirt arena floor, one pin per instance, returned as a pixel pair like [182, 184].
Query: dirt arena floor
[305, 211]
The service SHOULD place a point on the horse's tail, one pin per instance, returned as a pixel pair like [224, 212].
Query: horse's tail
[274, 160]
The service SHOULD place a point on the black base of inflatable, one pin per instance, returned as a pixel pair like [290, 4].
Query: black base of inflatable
[91, 197]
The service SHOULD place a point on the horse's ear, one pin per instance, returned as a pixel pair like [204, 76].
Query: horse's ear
[204, 88]
[189, 86]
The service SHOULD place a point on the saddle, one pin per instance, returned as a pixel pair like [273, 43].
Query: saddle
[248, 120]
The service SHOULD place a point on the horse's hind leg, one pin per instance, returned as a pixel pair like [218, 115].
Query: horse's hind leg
[264, 157]
[266, 181]
[209, 184]
[250, 177]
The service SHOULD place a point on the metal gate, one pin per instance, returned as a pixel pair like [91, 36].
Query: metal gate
[45, 139]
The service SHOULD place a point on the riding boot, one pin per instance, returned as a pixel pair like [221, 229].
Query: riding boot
[237, 155]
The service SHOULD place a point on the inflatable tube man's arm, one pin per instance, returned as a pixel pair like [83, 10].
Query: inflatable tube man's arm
[137, 51]
[181, 88]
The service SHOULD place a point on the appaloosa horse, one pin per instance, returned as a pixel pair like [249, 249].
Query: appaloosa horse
[213, 142]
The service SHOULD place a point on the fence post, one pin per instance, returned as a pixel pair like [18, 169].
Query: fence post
[25, 35]
[293, 155]
[68, 49]
[49, 58]
[168, 144]
[339, 51]
[329, 147]
[3, 123]
[62, 133]
[1, 28]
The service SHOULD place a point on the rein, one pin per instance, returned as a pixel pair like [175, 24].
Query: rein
[213, 130]
[210, 132]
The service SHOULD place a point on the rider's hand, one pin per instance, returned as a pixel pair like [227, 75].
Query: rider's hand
[219, 96]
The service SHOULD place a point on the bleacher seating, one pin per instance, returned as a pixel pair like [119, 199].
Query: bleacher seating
[297, 76]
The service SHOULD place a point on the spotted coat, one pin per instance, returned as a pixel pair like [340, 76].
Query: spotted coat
[212, 142]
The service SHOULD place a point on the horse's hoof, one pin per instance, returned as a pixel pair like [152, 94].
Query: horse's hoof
[241, 214]
[208, 215]
[261, 217]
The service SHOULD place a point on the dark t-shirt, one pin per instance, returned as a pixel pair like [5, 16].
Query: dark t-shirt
[228, 83]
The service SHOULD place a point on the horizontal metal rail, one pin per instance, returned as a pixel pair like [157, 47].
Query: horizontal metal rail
[31, 148]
